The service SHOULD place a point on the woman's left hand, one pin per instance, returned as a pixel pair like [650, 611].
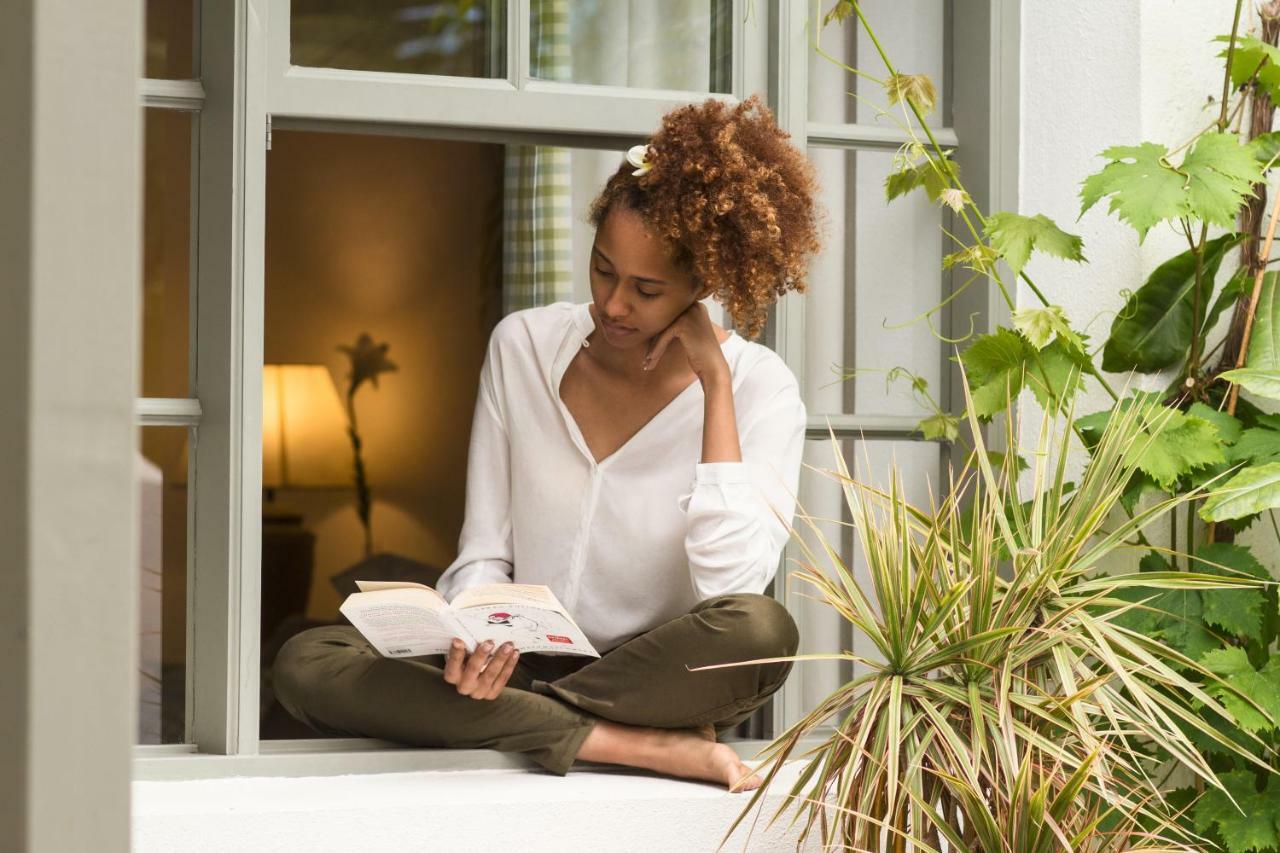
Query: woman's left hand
[697, 337]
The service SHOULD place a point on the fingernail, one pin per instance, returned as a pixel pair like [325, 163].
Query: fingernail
[457, 644]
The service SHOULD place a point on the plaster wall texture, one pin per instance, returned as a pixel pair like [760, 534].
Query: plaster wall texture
[1097, 73]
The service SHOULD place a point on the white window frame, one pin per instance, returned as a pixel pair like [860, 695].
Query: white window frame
[248, 90]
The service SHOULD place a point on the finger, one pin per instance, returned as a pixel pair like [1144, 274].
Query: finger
[476, 663]
[502, 669]
[656, 349]
[503, 674]
[453, 662]
[485, 682]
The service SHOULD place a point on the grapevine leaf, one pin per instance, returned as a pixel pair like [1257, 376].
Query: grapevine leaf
[1236, 611]
[941, 426]
[1015, 236]
[1221, 174]
[1054, 374]
[995, 364]
[1246, 824]
[1154, 329]
[1252, 490]
[1259, 445]
[1253, 55]
[1228, 427]
[1143, 192]
[1232, 665]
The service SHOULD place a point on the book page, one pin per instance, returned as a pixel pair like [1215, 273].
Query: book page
[528, 628]
[373, 586]
[404, 622]
[538, 595]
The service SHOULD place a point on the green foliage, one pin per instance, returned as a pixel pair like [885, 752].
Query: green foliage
[928, 173]
[1014, 237]
[1246, 819]
[1155, 328]
[1213, 181]
[1253, 490]
[1254, 56]
[1001, 364]
[1236, 611]
[1039, 325]
[1171, 445]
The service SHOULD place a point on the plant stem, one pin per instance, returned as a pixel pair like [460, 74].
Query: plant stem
[1253, 301]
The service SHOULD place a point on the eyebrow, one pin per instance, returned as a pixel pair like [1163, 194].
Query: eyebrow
[596, 251]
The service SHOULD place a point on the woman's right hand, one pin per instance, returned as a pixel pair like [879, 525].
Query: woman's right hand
[465, 669]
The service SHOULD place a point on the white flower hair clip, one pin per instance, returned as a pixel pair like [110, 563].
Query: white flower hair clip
[637, 156]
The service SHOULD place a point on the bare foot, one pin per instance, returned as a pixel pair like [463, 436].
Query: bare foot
[687, 753]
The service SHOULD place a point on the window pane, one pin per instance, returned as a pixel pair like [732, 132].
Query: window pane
[161, 473]
[170, 46]
[458, 38]
[651, 44]
[912, 33]
[424, 245]
[166, 268]
[882, 267]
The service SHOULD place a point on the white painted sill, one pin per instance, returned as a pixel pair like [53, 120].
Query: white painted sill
[348, 756]
[346, 805]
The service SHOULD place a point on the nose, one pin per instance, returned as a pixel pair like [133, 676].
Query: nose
[616, 309]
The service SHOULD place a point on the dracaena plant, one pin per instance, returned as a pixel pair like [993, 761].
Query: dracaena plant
[1211, 189]
[1006, 704]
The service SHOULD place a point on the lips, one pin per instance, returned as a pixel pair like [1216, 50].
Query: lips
[615, 329]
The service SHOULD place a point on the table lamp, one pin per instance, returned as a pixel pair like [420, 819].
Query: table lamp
[304, 446]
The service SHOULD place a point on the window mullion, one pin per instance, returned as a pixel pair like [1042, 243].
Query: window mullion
[789, 90]
[519, 49]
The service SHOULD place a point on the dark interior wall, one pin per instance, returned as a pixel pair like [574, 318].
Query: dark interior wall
[397, 237]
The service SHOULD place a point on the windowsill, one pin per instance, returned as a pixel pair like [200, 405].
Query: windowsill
[594, 807]
[357, 756]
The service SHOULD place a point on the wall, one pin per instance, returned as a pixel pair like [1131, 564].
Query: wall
[1098, 73]
[393, 236]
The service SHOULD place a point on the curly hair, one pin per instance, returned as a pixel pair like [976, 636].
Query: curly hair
[731, 198]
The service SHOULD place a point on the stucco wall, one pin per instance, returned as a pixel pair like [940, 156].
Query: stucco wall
[1097, 73]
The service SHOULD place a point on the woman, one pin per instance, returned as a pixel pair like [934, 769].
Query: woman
[639, 460]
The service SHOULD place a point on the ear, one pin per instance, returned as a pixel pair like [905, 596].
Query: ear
[703, 293]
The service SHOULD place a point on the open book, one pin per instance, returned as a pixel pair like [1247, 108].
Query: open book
[404, 619]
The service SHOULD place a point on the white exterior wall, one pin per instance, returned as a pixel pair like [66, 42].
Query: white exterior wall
[1097, 73]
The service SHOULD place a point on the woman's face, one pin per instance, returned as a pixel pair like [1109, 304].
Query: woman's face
[635, 284]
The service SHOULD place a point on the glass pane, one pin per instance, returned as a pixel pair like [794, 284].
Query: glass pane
[170, 52]
[161, 472]
[822, 629]
[650, 44]
[887, 258]
[424, 245]
[912, 33]
[166, 266]
[458, 38]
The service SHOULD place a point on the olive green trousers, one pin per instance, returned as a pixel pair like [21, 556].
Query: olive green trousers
[331, 679]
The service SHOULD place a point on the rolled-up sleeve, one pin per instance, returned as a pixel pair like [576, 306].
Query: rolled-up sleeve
[485, 544]
[734, 536]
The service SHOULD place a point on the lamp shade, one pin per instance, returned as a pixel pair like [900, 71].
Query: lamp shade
[304, 430]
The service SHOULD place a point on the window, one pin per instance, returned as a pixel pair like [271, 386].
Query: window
[167, 409]
[341, 132]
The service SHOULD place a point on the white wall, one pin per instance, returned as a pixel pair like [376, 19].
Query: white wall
[1097, 73]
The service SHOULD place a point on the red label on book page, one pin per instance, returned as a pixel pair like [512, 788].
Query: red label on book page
[556, 638]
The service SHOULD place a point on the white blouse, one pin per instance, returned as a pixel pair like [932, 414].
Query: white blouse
[641, 537]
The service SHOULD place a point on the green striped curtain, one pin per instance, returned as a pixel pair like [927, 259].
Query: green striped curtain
[538, 214]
